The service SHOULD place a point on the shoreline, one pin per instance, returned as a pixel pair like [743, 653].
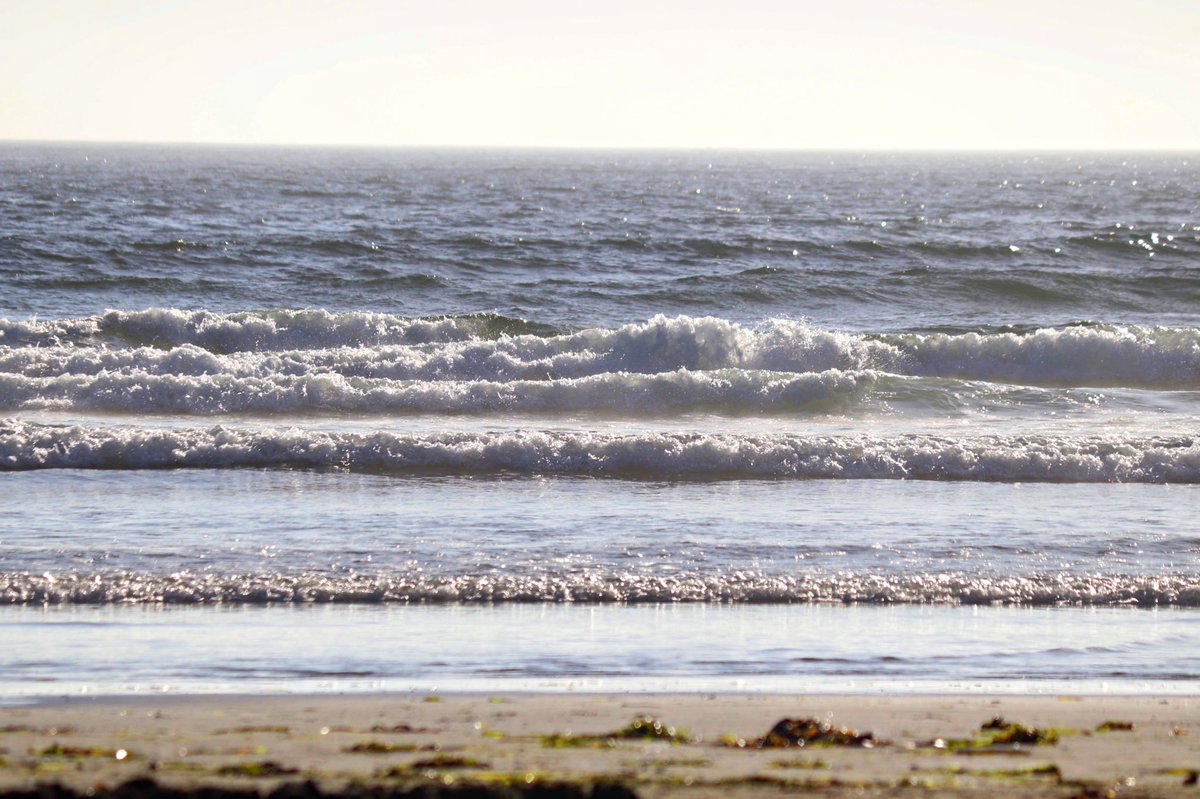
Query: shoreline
[986, 693]
[520, 743]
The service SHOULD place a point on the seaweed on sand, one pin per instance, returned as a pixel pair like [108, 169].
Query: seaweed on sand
[999, 734]
[813, 732]
[644, 728]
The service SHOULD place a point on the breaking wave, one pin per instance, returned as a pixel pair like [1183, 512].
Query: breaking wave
[732, 390]
[490, 347]
[1033, 458]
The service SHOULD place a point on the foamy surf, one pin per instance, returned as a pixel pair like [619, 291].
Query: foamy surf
[731, 390]
[378, 346]
[598, 586]
[26, 446]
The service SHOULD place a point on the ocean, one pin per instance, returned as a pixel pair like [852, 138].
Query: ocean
[287, 420]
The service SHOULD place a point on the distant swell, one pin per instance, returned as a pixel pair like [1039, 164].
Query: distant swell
[1182, 590]
[165, 328]
[25, 446]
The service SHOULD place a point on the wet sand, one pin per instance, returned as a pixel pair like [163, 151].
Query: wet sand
[517, 745]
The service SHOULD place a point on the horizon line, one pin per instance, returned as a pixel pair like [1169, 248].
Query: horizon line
[679, 148]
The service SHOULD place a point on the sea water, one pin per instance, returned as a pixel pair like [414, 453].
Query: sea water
[290, 420]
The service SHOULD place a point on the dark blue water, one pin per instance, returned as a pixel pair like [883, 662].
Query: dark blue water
[862, 242]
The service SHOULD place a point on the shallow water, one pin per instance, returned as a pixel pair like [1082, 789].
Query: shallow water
[269, 535]
[691, 647]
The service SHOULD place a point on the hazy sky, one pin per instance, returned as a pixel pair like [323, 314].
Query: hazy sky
[671, 73]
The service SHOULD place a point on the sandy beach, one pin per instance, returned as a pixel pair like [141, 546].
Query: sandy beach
[589, 744]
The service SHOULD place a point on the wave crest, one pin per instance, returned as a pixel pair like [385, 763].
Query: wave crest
[492, 347]
[25, 446]
[212, 392]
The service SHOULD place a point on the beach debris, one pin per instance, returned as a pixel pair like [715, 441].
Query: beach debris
[1041, 771]
[800, 763]
[266, 768]
[382, 748]
[647, 727]
[1000, 731]
[448, 761]
[813, 732]
[515, 786]
[487, 732]
[400, 729]
[1019, 734]
[644, 728]
[661, 764]
[25, 728]
[763, 779]
[59, 751]
[1190, 775]
[996, 735]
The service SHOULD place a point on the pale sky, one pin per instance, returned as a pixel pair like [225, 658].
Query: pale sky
[846, 74]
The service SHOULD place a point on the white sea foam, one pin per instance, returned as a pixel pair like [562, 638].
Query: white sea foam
[749, 586]
[26, 445]
[1109, 356]
[138, 391]
[479, 348]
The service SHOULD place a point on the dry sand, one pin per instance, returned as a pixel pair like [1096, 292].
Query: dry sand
[359, 742]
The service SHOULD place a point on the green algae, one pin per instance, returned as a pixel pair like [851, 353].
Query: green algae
[1042, 771]
[448, 761]
[481, 777]
[183, 768]
[754, 779]
[399, 729]
[1190, 776]
[1115, 726]
[648, 728]
[265, 768]
[60, 751]
[800, 763]
[54, 766]
[644, 728]
[811, 783]
[999, 734]
[10, 729]
[683, 762]
[567, 740]
[379, 748]
[1029, 736]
